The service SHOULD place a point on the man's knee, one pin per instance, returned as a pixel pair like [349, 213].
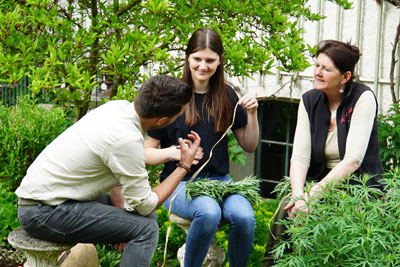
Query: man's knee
[152, 227]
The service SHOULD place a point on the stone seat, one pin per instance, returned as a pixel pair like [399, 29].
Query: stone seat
[39, 253]
[215, 256]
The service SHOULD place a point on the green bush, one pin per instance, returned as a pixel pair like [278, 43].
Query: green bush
[235, 151]
[8, 215]
[389, 137]
[351, 225]
[108, 257]
[25, 130]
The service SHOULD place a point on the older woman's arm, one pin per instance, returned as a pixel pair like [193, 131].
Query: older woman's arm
[300, 160]
[357, 141]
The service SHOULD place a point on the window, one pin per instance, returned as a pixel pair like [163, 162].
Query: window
[277, 121]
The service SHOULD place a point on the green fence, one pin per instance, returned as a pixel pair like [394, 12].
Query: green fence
[10, 93]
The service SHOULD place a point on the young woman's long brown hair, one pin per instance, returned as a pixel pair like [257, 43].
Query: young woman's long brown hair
[217, 100]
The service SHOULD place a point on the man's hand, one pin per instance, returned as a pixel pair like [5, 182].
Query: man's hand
[199, 155]
[120, 246]
[116, 197]
[190, 148]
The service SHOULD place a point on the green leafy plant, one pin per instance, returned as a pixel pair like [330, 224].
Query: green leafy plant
[25, 130]
[8, 215]
[235, 151]
[350, 225]
[108, 256]
[389, 137]
[248, 187]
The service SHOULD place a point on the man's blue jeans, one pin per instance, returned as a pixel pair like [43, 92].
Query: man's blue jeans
[94, 222]
[206, 215]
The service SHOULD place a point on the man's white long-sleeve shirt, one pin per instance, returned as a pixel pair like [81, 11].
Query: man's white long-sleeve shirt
[101, 150]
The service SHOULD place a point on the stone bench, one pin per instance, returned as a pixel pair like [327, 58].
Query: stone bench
[215, 256]
[38, 253]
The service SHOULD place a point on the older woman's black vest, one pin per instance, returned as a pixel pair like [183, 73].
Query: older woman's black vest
[316, 105]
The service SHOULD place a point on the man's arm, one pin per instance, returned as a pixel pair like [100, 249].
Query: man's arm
[188, 151]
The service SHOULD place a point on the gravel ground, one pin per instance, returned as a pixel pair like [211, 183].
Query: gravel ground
[11, 258]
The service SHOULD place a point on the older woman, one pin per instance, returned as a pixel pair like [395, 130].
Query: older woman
[336, 133]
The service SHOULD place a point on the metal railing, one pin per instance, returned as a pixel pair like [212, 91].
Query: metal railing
[10, 93]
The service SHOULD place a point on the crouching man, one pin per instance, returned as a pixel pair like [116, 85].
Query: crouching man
[62, 197]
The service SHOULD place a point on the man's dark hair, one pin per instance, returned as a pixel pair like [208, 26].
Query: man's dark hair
[162, 96]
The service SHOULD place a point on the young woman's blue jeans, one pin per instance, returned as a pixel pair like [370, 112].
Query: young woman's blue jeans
[206, 215]
[94, 222]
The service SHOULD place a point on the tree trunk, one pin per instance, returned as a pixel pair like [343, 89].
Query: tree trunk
[393, 65]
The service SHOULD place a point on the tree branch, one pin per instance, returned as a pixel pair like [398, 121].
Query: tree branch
[394, 61]
[127, 7]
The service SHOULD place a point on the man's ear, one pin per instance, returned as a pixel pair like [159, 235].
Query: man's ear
[161, 121]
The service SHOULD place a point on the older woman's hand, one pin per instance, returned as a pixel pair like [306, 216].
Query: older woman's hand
[296, 206]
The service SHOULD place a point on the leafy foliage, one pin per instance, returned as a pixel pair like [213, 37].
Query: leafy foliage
[108, 257]
[351, 225]
[389, 137]
[8, 215]
[64, 46]
[25, 130]
[247, 187]
[235, 151]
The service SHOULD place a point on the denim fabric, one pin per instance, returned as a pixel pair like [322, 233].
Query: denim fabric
[206, 215]
[94, 222]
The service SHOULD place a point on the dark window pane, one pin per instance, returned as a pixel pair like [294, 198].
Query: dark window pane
[277, 118]
[274, 161]
[278, 124]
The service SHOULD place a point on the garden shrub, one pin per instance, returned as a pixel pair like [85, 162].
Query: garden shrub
[389, 137]
[25, 130]
[108, 257]
[351, 225]
[8, 215]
